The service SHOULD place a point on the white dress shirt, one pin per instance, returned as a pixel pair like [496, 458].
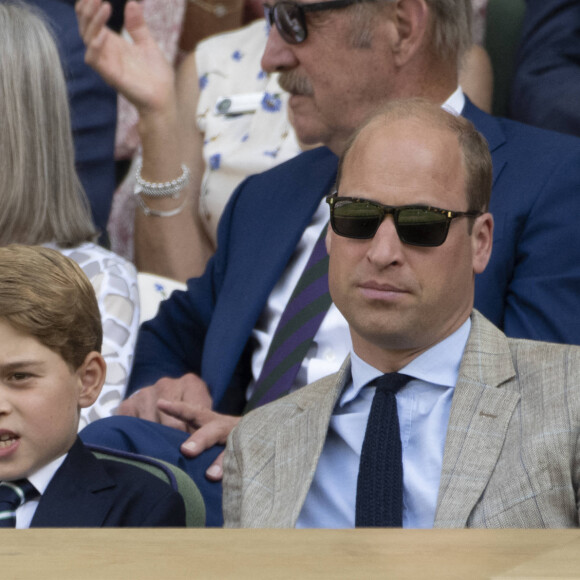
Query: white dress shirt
[423, 406]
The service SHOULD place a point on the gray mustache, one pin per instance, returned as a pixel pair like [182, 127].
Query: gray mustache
[295, 84]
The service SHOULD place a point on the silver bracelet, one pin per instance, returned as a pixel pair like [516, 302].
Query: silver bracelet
[148, 211]
[218, 10]
[164, 189]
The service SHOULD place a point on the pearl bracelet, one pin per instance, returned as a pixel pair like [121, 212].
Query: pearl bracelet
[164, 189]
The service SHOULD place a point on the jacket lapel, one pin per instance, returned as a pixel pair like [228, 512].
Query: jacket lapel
[271, 219]
[481, 410]
[72, 498]
[299, 443]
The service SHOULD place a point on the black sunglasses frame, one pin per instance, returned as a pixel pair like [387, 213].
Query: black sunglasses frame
[272, 17]
[385, 210]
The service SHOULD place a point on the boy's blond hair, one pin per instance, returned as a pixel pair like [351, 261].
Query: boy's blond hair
[46, 295]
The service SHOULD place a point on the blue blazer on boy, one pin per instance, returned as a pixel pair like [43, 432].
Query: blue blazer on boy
[87, 492]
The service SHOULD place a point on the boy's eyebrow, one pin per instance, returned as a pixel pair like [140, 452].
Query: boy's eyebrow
[11, 366]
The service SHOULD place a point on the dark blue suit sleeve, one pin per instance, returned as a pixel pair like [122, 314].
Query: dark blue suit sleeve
[546, 86]
[172, 343]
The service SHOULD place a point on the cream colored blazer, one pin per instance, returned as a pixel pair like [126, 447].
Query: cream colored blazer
[511, 456]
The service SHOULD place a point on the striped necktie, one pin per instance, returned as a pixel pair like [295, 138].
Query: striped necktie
[12, 495]
[379, 492]
[299, 323]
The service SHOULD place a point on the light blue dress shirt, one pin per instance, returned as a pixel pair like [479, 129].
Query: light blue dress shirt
[423, 405]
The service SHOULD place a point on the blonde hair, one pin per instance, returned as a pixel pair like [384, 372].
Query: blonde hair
[41, 196]
[46, 295]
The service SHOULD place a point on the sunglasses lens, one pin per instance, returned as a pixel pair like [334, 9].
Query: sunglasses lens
[356, 219]
[422, 227]
[290, 23]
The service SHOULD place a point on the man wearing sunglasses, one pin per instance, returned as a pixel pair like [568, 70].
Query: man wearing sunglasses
[478, 438]
[201, 360]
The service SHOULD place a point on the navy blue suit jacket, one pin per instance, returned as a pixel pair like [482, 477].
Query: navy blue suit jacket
[531, 287]
[93, 107]
[87, 492]
[546, 85]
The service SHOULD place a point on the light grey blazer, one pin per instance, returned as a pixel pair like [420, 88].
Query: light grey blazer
[511, 456]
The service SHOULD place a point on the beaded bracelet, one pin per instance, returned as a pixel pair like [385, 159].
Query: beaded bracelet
[164, 189]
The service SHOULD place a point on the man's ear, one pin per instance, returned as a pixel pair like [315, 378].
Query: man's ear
[91, 375]
[328, 240]
[411, 19]
[482, 241]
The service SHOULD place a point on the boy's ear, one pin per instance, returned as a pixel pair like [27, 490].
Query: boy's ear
[92, 377]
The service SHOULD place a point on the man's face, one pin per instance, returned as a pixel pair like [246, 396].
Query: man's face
[40, 397]
[334, 86]
[398, 297]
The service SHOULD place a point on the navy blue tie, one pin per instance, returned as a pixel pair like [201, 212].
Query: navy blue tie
[12, 495]
[379, 492]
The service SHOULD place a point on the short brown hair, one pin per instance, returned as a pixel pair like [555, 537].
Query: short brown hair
[474, 147]
[46, 295]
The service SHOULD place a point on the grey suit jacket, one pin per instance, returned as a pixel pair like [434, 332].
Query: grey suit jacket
[511, 455]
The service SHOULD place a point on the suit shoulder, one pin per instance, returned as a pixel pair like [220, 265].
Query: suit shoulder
[536, 137]
[550, 359]
[304, 167]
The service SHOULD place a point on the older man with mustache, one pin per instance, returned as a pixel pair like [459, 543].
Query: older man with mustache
[259, 323]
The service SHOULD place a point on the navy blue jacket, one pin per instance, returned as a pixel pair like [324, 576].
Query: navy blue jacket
[87, 492]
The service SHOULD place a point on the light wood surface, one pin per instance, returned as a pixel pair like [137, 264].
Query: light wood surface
[142, 554]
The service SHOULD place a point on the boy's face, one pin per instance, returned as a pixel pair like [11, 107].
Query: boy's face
[40, 399]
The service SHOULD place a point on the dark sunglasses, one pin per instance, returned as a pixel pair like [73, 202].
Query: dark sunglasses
[290, 17]
[416, 225]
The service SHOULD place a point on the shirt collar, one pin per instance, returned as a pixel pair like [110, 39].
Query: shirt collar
[438, 365]
[455, 103]
[41, 478]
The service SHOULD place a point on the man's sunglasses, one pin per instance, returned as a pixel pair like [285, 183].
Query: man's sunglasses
[416, 225]
[290, 17]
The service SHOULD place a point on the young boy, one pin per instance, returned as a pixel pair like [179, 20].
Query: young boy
[51, 368]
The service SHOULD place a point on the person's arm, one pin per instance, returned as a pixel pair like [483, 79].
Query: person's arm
[174, 246]
[177, 246]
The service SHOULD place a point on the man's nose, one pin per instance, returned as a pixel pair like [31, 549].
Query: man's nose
[278, 54]
[386, 248]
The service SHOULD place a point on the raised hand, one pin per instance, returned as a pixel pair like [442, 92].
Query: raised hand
[137, 69]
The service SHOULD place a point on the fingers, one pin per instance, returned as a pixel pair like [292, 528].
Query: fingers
[194, 415]
[134, 19]
[143, 404]
[214, 429]
[92, 16]
[215, 471]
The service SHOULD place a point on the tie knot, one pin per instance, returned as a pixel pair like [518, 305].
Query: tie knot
[14, 493]
[392, 382]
